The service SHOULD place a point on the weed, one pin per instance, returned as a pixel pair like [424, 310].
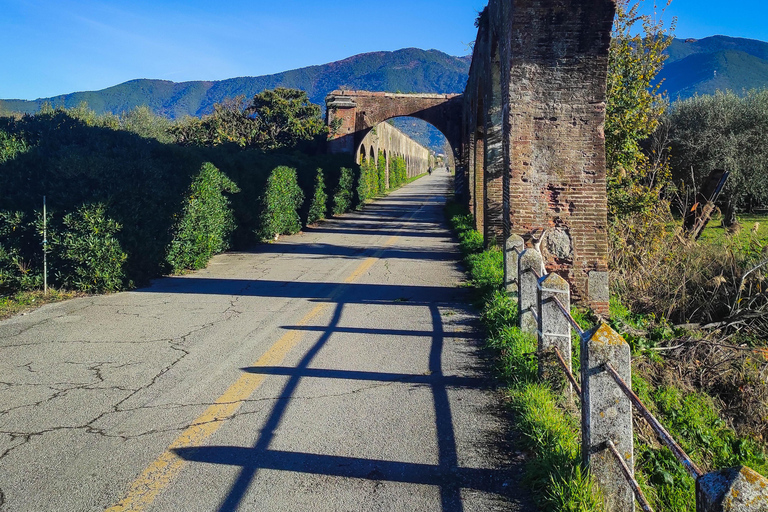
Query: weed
[20, 301]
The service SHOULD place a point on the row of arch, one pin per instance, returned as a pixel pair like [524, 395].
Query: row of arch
[392, 143]
[411, 162]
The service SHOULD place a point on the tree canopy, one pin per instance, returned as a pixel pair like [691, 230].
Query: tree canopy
[274, 119]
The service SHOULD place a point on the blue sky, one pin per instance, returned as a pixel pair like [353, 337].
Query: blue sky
[50, 47]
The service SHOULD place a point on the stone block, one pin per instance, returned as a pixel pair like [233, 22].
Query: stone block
[554, 328]
[512, 249]
[607, 415]
[738, 489]
[598, 286]
[529, 265]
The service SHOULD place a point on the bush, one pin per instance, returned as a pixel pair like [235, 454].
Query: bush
[319, 206]
[205, 223]
[368, 182]
[398, 173]
[92, 257]
[20, 253]
[342, 197]
[280, 204]
[381, 174]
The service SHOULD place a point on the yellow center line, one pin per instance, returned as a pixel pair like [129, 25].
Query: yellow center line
[160, 473]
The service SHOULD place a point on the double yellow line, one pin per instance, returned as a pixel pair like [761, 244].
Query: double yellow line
[160, 473]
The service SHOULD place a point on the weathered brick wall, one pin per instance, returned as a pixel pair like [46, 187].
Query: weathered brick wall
[550, 58]
[359, 111]
[393, 142]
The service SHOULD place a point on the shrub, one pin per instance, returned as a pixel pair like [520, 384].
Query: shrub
[91, 254]
[397, 172]
[279, 204]
[342, 197]
[19, 252]
[368, 181]
[319, 200]
[381, 174]
[205, 222]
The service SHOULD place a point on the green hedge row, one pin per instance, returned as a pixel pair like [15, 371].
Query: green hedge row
[373, 176]
[124, 207]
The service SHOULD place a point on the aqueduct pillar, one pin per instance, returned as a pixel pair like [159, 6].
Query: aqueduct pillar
[532, 143]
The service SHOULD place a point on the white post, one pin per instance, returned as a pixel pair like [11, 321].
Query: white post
[530, 268]
[554, 327]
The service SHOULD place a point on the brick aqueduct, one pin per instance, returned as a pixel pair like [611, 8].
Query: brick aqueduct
[527, 134]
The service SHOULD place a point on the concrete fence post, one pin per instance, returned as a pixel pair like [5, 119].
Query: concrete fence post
[738, 489]
[529, 264]
[512, 249]
[606, 414]
[554, 328]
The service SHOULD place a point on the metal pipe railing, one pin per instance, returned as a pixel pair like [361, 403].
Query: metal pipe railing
[567, 371]
[665, 436]
[567, 314]
[639, 496]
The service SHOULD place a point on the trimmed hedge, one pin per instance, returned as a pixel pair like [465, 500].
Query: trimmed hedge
[205, 223]
[279, 204]
[175, 205]
[319, 205]
[344, 194]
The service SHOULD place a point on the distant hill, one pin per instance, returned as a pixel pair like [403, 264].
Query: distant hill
[406, 70]
[694, 66]
[706, 65]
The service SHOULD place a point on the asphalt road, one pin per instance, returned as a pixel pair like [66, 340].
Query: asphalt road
[334, 370]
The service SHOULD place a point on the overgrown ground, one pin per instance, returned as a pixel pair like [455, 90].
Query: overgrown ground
[709, 392]
[22, 301]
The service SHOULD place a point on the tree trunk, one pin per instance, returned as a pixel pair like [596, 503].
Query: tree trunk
[729, 215]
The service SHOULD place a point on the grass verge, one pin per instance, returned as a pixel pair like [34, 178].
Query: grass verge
[549, 430]
[24, 301]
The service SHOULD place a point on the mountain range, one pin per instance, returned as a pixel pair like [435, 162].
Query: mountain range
[714, 63]
[693, 67]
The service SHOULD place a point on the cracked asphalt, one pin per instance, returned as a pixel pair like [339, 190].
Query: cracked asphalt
[334, 370]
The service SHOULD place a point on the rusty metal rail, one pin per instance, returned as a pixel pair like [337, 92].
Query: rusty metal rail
[567, 371]
[567, 314]
[639, 496]
[665, 436]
